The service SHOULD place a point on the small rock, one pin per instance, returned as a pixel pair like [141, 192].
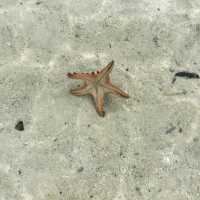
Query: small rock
[19, 126]
[19, 172]
[170, 130]
[80, 169]
[38, 2]
[180, 130]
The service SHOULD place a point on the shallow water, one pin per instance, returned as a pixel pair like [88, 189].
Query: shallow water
[146, 147]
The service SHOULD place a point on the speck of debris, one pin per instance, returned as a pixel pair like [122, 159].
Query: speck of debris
[80, 169]
[91, 196]
[138, 190]
[134, 167]
[196, 139]
[122, 154]
[180, 130]
[38, 2]
[19, 126]
[158, 9]
[88, 125]
[60, 192]
[77, 35]
[110, 45]
[136, 154]
[127, 69]
[155, 40]
[170, 130]
[19, 172]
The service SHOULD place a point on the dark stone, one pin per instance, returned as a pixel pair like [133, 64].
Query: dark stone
[38, 2]
[19, 126]
[138, 190]
[180, 130]
[170, 130]
[80, 169]
[155, 40]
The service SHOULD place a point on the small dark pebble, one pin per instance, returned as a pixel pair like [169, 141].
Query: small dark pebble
[91, 196]
[80, 169]
[110, 45]
[38, 2]
[170, 130]
[134, 167]
[88, 125]
[180, 130]
[122, 154]
[19, 126]
[127, 69]
[138, 190]
[60, 192]
[19, 172]
[158, 9]
[155, 40]
[196, 139]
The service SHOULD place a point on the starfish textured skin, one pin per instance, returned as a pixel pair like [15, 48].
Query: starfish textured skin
[97, 84]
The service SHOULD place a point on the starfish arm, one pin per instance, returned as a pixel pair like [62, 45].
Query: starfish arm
[115, 90]
[104, 73]
[80, 91]
[82, 76]
[98, 97]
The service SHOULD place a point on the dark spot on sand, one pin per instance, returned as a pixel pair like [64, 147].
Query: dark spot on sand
[19, 126]
[80, 169]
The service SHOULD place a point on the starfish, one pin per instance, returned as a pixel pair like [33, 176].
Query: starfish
[97, 84]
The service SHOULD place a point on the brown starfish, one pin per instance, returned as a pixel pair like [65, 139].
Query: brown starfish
[97, 84]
